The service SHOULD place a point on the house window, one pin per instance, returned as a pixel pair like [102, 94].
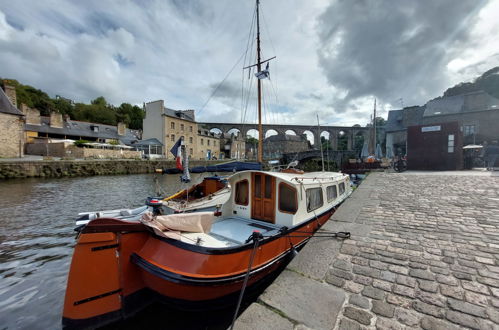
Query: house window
[242, 192]
[190, 151]
[190, 129]
[172, 125]
[314, 199]
[288, 202]
[342, 188]
[190, 139]
[181, 127]
[332, 193]
[450, 144]
[202, 141]
[469, 130]
[172, 137]
[208, 142]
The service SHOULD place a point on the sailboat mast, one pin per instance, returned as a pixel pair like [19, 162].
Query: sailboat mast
[259, 68]
[374, 126]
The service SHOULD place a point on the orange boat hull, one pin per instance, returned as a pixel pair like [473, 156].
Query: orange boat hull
[120, 267]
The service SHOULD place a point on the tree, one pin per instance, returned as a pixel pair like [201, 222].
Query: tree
[130, 115]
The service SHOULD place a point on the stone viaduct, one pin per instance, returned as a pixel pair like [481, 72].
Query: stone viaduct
[335, 132]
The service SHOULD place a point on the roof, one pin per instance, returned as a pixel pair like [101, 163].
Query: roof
[298, 179]
[394, 121]
[152, 142]
[180, 114]
[285, 137]
[83, 129]
[399, 120]
[464, 103]
[6, 106]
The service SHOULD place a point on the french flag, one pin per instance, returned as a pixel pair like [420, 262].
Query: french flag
[176, 150]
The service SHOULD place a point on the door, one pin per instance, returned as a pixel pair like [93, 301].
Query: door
[263, 197]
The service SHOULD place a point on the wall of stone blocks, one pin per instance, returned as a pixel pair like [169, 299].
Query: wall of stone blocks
[11, 136]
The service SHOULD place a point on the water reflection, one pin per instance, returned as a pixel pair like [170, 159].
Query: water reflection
[37, 237]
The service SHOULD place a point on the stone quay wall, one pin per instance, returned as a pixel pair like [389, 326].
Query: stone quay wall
[424, 254]
[68, 168]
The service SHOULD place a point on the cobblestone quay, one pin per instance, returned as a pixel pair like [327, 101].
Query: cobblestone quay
[424, 254]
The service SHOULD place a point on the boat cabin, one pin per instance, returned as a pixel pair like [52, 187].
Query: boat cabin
[284, 199]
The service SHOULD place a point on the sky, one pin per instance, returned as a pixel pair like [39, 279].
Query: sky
[333, 57]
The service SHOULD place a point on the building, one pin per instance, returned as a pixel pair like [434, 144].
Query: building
[168, 125]
[477, 115]
[11, 124]
[208, 145]
[41, 129]
[233, 146]
[276, 145]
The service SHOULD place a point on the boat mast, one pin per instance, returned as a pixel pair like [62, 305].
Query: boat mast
[259, 68]
[374, 126]
[320, 142]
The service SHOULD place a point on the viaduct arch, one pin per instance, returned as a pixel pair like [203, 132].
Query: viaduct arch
[335, 132]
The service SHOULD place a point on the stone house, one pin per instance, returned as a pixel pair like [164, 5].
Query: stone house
[276, 145]
[208, 145]
[168, 125]
[11, 124]
[233, 146]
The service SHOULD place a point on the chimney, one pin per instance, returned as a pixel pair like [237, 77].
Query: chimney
[121, 129]
[56, 120]
[10, 91]
[190, 113]
[32, 115]
[66, 118]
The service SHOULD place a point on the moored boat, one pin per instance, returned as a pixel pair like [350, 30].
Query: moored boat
[118, 265]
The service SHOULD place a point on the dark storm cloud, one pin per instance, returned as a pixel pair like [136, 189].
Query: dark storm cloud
[392, 49]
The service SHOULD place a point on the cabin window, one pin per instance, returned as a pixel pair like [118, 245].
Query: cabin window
[268, 188]
[314, 199]
[342, 188]
[332, 193]
[242, 192]
[288, 201]
[258, 186]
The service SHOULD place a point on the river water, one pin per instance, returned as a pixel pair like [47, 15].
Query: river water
[37, 239]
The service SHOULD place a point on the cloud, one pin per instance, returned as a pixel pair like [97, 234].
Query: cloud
[392, 49]
[333, 57]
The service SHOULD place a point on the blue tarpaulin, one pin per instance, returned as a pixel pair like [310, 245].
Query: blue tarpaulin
[225, 167]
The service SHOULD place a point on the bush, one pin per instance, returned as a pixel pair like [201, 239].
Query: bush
[79, 143]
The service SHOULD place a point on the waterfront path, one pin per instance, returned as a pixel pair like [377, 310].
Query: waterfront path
[424, 254]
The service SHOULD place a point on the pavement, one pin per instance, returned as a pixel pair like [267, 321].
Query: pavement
[424, 254]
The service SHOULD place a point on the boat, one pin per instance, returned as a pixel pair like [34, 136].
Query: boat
[200, 260]
[204, 196]
[120, 266]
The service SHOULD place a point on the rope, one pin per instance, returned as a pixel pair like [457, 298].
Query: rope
[256, 240]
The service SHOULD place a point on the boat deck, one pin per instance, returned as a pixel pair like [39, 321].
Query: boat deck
[231, 231]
